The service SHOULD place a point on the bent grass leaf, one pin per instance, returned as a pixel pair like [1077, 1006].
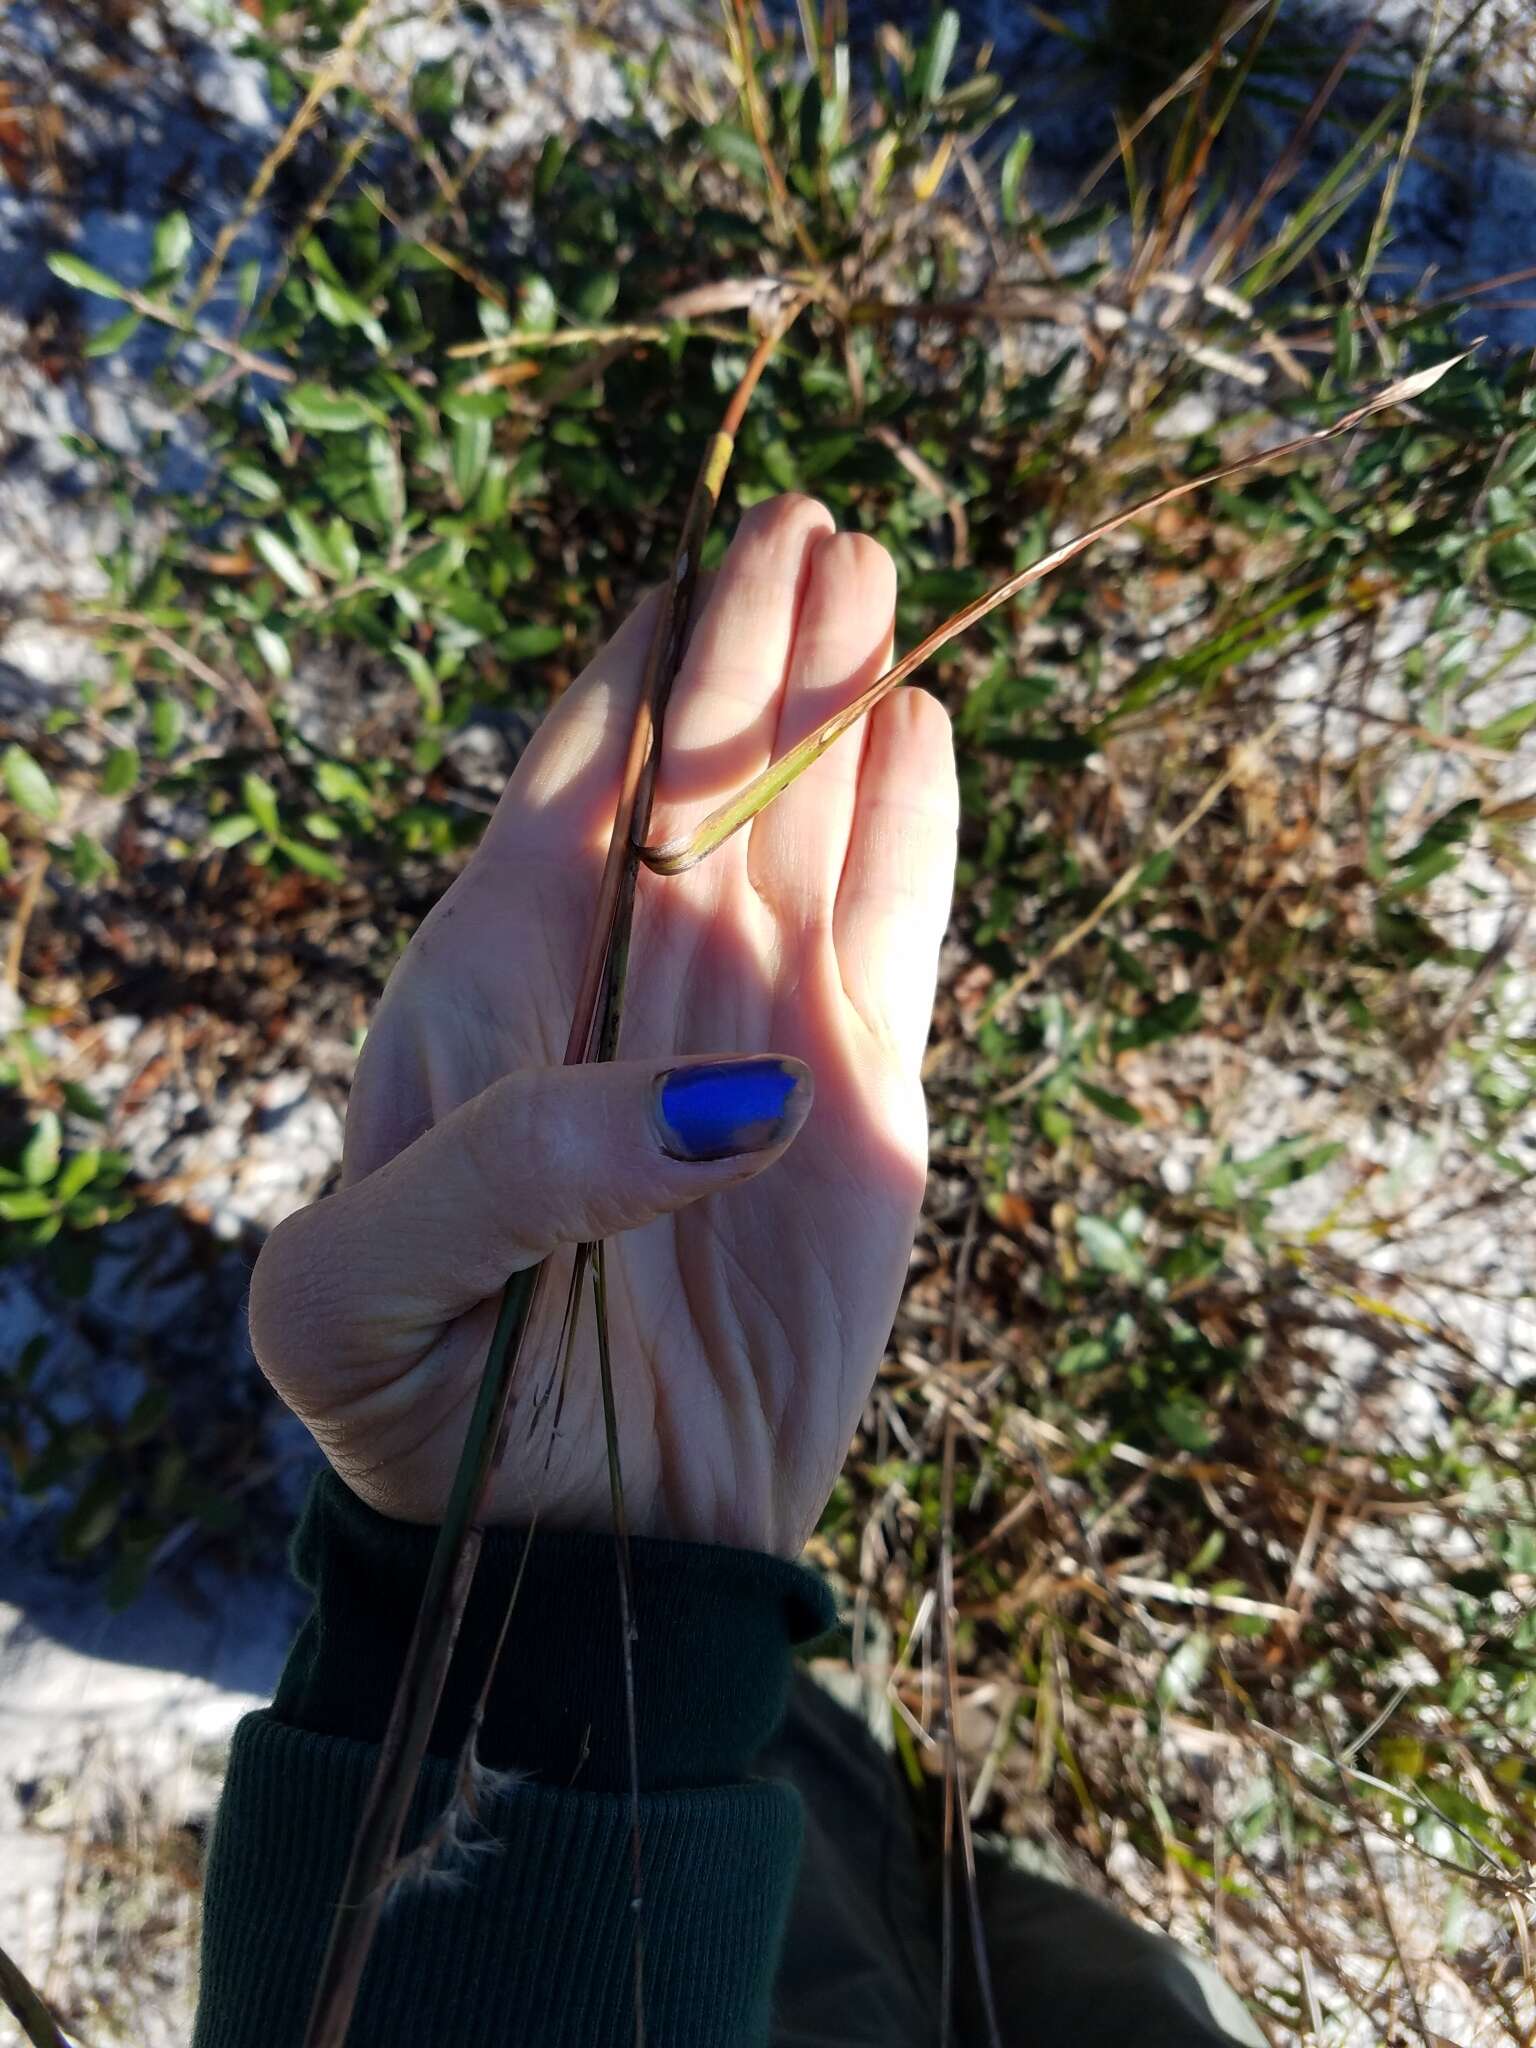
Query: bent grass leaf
[676, 856]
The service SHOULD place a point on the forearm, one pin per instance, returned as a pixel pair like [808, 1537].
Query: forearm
[530, 1939]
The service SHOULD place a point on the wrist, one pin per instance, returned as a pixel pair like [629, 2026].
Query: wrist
[715, 1628]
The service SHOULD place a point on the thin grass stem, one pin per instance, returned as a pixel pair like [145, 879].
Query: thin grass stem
[676, 856]
[628, 1632]
[26, 2005]
[594, 1025]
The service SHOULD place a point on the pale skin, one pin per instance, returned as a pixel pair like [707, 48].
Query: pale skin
[750, 1298]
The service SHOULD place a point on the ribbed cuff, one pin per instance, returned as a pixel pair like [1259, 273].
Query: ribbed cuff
[714, 1630]
[529, 1943]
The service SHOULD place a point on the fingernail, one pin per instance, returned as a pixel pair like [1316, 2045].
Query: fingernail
[719, 1109]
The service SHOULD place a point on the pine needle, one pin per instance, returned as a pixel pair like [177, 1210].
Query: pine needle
[676, 856]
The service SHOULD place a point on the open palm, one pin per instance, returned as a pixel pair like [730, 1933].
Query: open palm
[747, 1325]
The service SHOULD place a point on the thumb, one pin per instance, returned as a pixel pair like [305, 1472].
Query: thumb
[548, 1156]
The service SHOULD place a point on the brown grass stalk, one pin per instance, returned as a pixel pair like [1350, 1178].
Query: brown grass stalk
[31, 2015]
[594, 1026]
[676, 856]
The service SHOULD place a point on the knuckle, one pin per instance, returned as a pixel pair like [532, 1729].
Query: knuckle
[289, 1309]
[864, 553]
[785, 518]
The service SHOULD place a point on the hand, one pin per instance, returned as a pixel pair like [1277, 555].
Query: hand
[750, 1294]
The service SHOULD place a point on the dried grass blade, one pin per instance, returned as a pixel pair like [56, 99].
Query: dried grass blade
[676, 856]
[957, 1806]
[627, 1629]
[414, 1709]
[32, 2016]
[594, 1025]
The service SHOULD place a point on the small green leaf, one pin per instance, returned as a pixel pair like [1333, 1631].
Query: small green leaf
[472, 609]
[1438, 850]
[89, 860]
[41, 1153]
[734, 146]
[551, 160]
[419, 669]
[1214, 1544]
[594, 295]
[261, 802]
[1012, 175]
[273, 649]
[1112, 1105]
[230, 831]
[1179, 1679]
[474, 405]
[93, 1517]
[1183, 1422]
[29, 785]
[282, 561]
[77, 1175]
[146, 1415]
[1087, 1355]
[110, 338]
[83, 1103]
[120, 771]
[471, 451]
[166, 722]
[255, 483]
[343, 547]
[312, 861]
[1312, 506]
[936, 56]
[327, 412]
[1104, 1247]
[1506, 729]
[537, 309]
[528, 643]
[1164, 1020]
[313, 546]
[339, 783]
[386, 486]
[344, 309]
[76, 271]
[171, 247]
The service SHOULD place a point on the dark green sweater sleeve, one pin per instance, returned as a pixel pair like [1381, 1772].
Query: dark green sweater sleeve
[525, 1937]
